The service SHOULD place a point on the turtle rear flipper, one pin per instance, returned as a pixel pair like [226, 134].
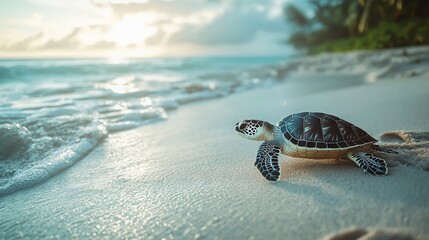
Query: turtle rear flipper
[381, 149]
[267, 160]
[369, 163]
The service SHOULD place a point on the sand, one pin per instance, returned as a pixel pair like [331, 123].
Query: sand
[192, 177]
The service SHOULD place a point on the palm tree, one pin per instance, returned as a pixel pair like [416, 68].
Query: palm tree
[375, 11]
[339, 19]
[297, 18]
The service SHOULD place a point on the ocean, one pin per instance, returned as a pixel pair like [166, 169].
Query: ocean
[55, 111]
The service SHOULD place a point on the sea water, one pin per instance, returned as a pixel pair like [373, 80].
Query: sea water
[54, 111]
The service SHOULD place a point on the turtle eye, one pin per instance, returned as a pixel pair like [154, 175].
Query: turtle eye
[243, 126]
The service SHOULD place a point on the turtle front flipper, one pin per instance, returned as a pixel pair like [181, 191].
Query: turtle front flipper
[267, 160]
[379, 148]
[369, 163]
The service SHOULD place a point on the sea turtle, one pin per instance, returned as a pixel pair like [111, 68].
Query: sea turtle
[312, 135]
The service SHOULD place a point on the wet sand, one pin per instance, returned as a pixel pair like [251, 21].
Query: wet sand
[192, 177]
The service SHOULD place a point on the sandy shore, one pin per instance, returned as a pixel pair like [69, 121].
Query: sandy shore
[193, 177]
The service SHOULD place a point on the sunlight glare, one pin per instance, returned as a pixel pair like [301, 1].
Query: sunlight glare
[117, 60]
[120, 85]
[133, 29]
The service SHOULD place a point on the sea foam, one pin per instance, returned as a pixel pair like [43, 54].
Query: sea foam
[28, 160]
[54, 112]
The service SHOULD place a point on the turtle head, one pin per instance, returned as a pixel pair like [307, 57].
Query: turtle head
[255, 130]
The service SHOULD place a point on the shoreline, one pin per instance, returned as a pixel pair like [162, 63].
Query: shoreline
[193, 177]
[309, 71]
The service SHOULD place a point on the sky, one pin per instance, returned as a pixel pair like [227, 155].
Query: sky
[142, 28]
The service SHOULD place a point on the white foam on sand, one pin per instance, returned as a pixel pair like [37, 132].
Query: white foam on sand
[57, 159]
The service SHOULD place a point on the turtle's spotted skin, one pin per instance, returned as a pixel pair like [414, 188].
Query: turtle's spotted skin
[249, 126]
[321, 130]
[312, 135]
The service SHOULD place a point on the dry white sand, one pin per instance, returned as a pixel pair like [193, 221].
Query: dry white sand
[193, 177]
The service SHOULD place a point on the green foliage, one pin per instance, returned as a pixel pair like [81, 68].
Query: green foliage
[342, 25]
[296, 17]
[385, 35]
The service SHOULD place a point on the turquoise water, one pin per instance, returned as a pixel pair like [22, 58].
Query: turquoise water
[54, 111]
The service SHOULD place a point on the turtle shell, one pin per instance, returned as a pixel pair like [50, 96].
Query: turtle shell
[321, 130]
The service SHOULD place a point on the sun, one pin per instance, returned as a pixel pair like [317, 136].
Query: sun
[133, 29]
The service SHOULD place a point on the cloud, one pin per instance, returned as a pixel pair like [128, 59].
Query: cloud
[182, 7]
[234, 26]
[102, 45]
[71, 41]
[68, 42]
[205, 22]
[26, 43]
[156, 39]
[147, 25]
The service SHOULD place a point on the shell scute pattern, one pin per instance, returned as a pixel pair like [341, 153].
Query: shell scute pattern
[294, 141]
[313, 128]
[328, 125]
[295, 126]
[322, 131]
[302, 114]
[318, 115]
[321, 145]
[333, 145]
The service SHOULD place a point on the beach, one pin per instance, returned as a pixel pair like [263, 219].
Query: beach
[193, 177]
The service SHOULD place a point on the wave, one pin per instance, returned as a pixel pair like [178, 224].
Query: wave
[29, 157]
[54, 112]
